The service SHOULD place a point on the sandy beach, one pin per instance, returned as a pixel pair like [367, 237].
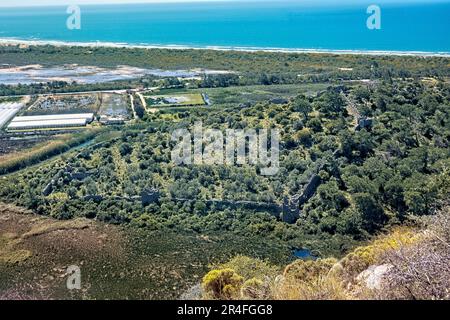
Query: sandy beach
[24, 43]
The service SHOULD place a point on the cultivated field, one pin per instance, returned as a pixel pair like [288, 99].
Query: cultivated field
[64, 104]
[114, 105]
[15, 145]
[175, 100]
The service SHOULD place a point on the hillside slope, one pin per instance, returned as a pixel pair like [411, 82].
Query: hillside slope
[407, 263]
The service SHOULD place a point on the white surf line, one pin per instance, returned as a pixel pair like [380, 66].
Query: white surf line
[56, 43]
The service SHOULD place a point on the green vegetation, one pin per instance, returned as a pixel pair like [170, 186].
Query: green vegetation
[115, 105]
[370, 178]
[273, 64]
[185, 99]
[10, 99]
[40, 152]
[378, 151]
[64, 104]
[139, 108]
[265, 68]
[235, 96]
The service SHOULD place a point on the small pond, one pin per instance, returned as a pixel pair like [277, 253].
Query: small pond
[304, 254]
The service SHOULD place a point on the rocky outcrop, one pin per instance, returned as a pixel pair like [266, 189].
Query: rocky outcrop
[372, 278]
[245, 105]
[193, 293]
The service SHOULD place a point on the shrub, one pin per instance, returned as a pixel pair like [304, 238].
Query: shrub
[255, 289]
[310, 280]
[250, 268]
[362, 257]
[307, 270]
[224, 284]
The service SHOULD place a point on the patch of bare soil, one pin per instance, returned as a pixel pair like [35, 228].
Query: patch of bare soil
[116, 262]
[36, 251]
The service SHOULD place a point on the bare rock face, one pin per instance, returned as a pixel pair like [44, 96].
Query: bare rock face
[193, 293]
[373, 277]
[364, 122]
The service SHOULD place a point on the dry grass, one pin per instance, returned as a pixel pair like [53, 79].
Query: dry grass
[10, 243]
[318, 288]
[309, 280]
[45, 227]
[8, 249]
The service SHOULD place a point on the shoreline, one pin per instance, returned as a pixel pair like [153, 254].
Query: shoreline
[57, 43]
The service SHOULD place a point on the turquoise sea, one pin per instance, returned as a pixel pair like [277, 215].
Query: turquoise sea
[277, 24]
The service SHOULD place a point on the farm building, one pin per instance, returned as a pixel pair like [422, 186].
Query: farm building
[51, 121]
[111, 120]
[24, 125]
[8, 111]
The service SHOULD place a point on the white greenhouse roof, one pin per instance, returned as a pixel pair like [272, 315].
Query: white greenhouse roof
[86, 116]
[47, 123]
[7, 111]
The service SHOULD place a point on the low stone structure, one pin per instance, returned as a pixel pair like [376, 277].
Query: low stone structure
[272, 208]
[291, 207]
[279, 101]
[68, 175]
[309, 190]
[149, 196]
[79, 175]
[291, 210]
[364, 122]
[93, 197]
[48, 189]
